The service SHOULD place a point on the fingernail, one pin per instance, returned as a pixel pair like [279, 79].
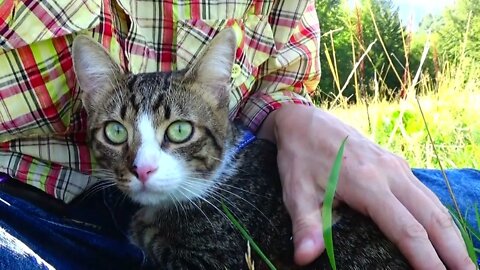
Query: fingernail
[306, 245]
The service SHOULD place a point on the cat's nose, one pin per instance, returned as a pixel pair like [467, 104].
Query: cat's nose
[144, 171]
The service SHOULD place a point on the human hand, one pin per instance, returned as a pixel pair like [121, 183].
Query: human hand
[372, 180]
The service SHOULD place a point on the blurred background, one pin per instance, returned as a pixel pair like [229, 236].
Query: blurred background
[407, 74]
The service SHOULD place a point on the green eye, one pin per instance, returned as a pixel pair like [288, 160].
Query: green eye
[116, 133]
[180, 131]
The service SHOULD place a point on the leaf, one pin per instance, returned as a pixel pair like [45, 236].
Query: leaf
[328, 203]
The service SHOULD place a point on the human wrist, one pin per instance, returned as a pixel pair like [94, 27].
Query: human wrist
[267, 129]
[281, 118]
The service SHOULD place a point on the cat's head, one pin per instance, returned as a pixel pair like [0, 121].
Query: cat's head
[161, 134]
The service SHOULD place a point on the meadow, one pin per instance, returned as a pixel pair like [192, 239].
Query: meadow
[450, 123]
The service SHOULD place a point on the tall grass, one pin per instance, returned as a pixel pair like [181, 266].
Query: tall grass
[452, 112]
[436, 125]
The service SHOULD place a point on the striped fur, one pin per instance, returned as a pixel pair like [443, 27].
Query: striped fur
[197, 95]
[181, 225]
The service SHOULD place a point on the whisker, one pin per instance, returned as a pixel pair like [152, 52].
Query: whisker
[221, 199]
[211, 224]
[175, 204]
[211, 190]
[181, 205]
[207, 201]
[227, 185]
[97, 188]
[235, 168]
[213, 193]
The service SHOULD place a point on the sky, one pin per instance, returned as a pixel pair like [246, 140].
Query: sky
[417, 9]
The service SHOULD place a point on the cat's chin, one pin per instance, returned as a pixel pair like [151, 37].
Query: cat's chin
[153, 192]
[154, 195]
[148, 198]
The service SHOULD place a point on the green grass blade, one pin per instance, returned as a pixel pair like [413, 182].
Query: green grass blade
[477, 216]
[473, 232]
[328, 204]
[461, 224]
[247, 237]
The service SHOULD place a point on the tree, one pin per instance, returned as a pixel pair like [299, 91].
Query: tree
[388, 61]
[460, 27]
[335, 40]
[357, 29]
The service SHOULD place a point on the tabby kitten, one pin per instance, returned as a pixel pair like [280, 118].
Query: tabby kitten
[167, 138]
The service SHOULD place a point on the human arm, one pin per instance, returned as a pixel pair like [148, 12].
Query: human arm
[372, 180]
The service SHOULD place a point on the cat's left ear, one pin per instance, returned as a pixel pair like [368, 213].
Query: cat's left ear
[214, 67]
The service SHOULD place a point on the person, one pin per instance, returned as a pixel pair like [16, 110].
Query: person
[43, 140]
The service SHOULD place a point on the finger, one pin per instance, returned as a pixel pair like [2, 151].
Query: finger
[438, 223]
[432, 196]
[404, 231]
[302, 203]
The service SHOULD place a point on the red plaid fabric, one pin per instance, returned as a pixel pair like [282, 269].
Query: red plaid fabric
[42, 122]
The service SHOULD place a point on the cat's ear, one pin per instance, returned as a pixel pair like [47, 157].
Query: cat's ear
[95, 70]
[214, 67]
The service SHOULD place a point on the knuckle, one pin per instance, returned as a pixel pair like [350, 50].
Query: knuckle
[414, 231]
[442, 219]
[392, 160]
[403, 163]
[366, 171]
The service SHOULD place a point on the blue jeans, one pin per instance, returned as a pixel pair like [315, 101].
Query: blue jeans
[92, 234]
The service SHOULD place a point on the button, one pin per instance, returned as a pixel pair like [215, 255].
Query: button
[236, 70]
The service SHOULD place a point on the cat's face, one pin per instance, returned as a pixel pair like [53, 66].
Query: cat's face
[161, 134]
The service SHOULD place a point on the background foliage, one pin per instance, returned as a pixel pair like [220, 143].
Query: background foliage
[383, 100]
[347, 31]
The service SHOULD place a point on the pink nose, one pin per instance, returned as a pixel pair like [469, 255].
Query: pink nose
[144, 171]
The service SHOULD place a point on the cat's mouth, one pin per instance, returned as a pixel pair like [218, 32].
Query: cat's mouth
[153, 191]
[160, 192]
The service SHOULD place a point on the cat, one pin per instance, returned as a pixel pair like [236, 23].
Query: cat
[167, 139]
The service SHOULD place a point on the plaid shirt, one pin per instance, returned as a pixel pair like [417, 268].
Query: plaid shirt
[42, 122]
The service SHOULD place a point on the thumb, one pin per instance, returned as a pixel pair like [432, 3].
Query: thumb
[302, 203]
[308, 237]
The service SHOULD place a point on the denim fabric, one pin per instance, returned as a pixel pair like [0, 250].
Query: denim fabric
[465, 185]
[93, 235]
[86, 239]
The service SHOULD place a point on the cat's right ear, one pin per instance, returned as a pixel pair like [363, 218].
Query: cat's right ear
[95, 70]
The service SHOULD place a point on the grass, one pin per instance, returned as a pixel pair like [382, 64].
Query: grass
[246, 236]
[328, 204]
[451, 113]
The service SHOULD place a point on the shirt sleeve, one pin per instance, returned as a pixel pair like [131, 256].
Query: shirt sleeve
[290, 74]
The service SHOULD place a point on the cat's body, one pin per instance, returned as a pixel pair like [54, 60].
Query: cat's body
[168, 143]
[198, 235]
